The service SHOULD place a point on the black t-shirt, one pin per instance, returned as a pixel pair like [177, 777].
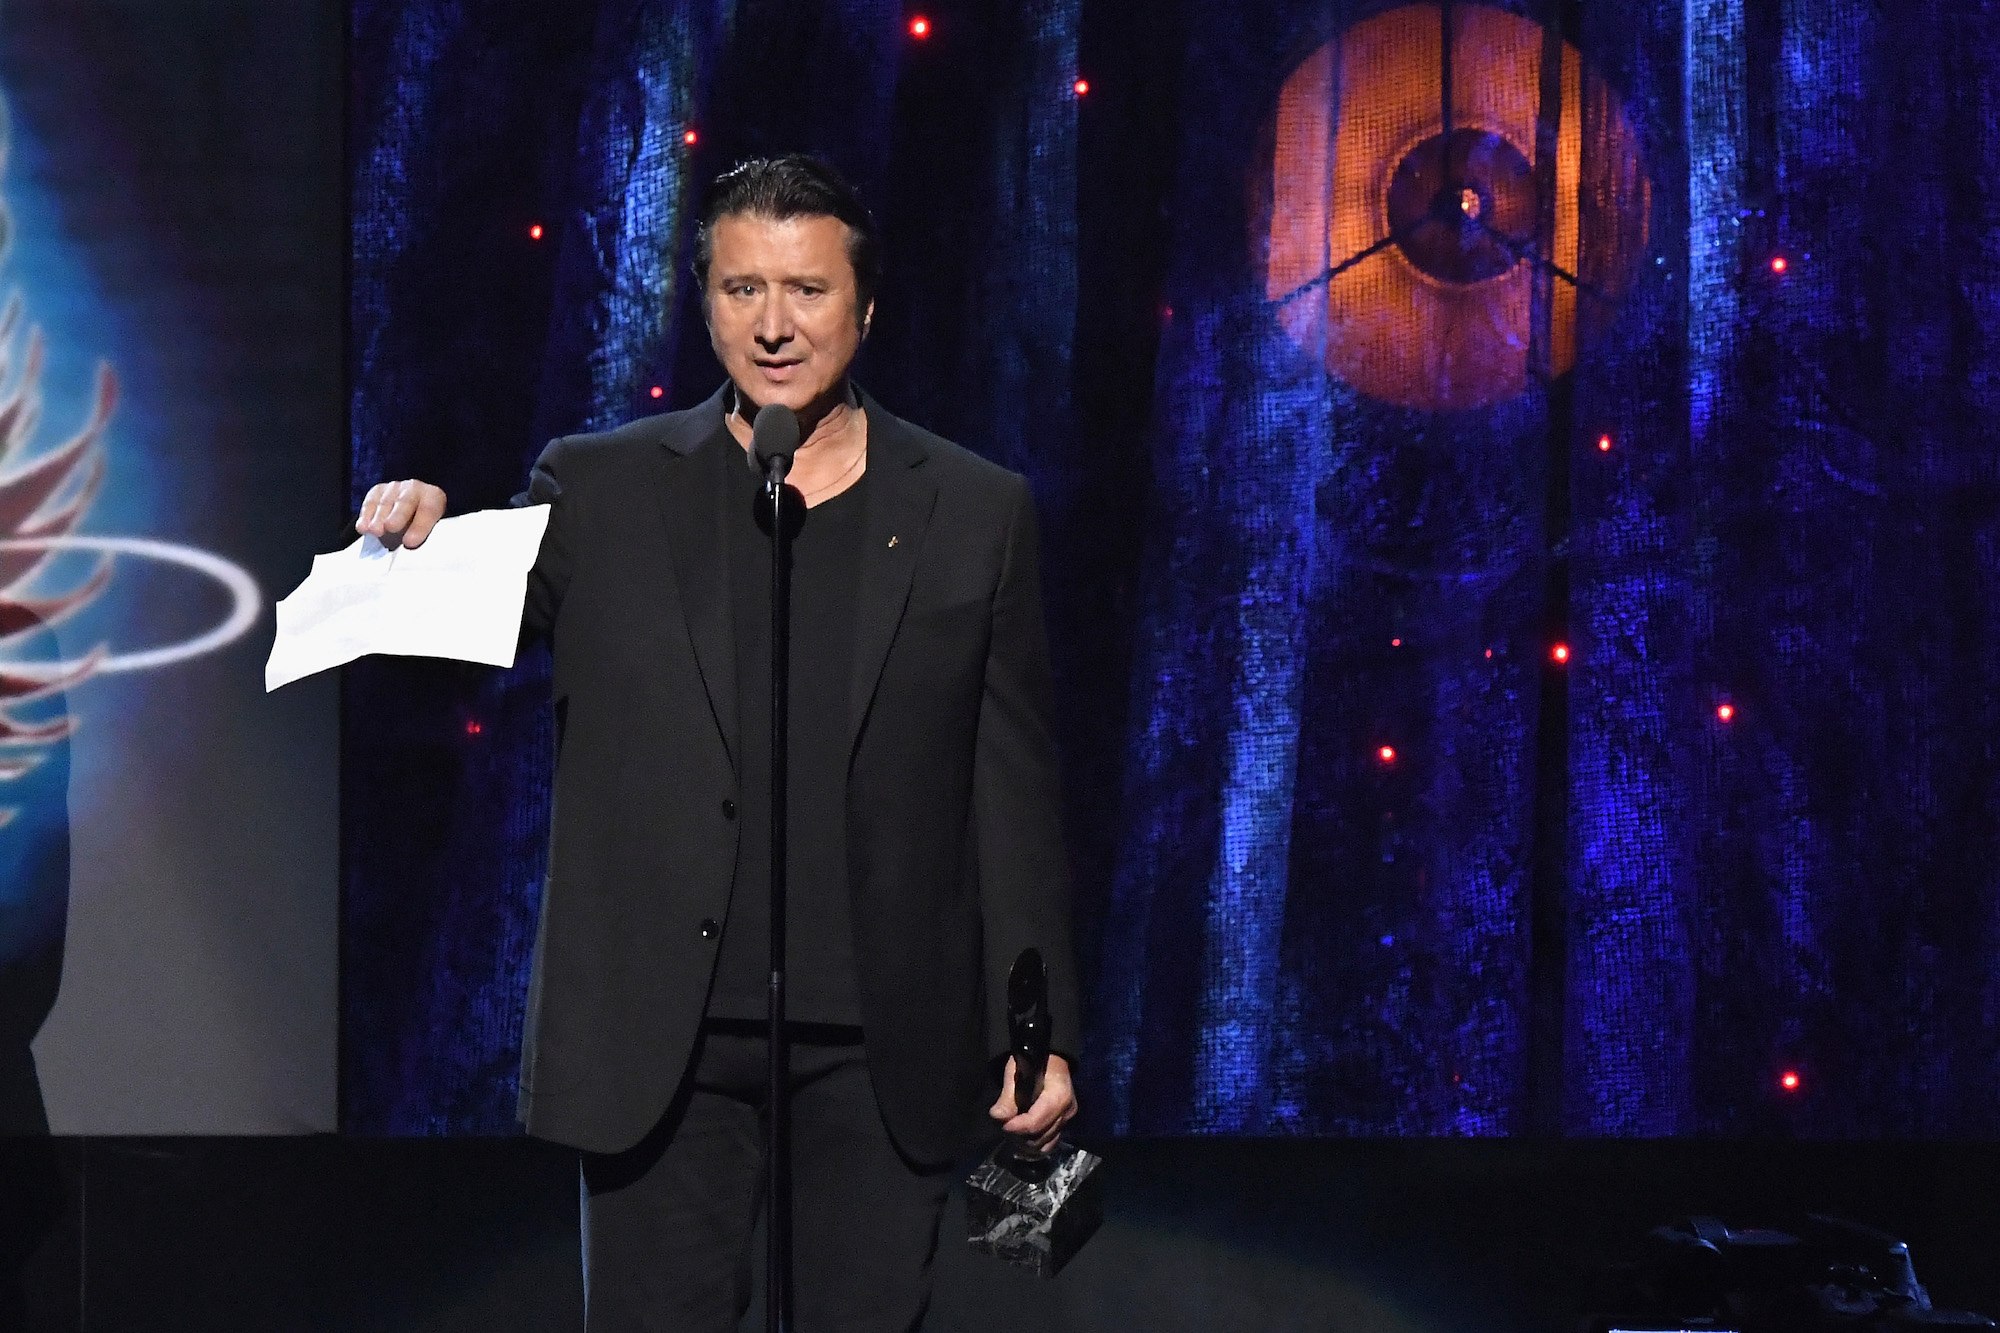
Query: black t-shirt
[826, 561]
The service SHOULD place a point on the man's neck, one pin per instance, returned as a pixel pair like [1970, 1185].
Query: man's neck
[826, 419]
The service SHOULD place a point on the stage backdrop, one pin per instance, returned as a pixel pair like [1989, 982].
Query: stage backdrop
[1520, 483]
[170, 445]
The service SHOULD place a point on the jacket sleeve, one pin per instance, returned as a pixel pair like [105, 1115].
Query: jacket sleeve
[1023, 872]
[548, 580]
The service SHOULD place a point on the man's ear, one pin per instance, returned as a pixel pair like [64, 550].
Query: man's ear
[867, 319]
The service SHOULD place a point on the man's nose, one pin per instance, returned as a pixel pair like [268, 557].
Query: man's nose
[774, 326]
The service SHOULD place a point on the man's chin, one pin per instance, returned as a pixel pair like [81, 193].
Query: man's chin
[762, 391]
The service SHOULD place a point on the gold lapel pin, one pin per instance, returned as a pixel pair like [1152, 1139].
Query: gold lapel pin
[893, 540]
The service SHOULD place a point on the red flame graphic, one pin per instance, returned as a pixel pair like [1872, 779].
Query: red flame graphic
[44, 495]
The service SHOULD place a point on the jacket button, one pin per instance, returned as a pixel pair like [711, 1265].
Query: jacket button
[709, 928]
[728, 809]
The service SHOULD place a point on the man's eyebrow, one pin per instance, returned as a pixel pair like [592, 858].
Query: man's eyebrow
[802, 279]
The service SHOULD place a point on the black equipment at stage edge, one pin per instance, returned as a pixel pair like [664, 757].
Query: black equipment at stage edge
[1822, 1275]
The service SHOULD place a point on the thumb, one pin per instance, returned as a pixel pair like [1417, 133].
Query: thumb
[1003, 1106]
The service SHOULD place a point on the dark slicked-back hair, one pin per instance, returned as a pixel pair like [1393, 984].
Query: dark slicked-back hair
[794, 186]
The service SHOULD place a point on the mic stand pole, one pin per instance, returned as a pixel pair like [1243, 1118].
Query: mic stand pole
[777, 1118]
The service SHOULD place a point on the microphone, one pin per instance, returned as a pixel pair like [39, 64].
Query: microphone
[773, 440]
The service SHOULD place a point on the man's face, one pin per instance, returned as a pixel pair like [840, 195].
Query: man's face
[781, 307]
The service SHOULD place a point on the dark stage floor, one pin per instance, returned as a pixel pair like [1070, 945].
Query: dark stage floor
[329, 1234]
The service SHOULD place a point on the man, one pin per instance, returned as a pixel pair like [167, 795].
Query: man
[925, 848]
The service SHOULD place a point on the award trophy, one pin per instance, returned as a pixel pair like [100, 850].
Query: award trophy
[1032, 1209]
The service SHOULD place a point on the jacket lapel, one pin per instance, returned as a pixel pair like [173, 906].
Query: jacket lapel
[693, 496]
[900, 499]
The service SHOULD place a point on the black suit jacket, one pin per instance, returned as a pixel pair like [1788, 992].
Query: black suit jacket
[955, 856]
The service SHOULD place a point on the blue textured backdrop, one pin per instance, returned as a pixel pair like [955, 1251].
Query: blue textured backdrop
[1577, 899]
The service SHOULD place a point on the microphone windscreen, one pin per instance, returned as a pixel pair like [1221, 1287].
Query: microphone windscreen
[775, 435]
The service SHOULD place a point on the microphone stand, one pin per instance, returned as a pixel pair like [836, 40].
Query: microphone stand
[777, 1180]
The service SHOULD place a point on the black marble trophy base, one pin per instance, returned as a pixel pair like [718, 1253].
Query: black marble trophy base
[1034, 1213]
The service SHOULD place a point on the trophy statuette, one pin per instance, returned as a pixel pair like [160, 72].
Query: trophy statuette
[1034, 1210]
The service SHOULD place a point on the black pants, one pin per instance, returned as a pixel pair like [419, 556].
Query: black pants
[666, 1224]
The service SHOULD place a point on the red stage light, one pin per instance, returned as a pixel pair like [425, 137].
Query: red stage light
[920, 27]
[657, 391]
[1604, 444]
[1779, 264]
[1395, 643]
[472, 727]
[1789, 1080]
[1387, 754]
[1489, 654]
[1081, 86]
[691, 138]
[535, 232]
[1725, 712]
[1559, 654]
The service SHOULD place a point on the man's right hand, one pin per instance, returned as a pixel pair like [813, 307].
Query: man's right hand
[400, 513]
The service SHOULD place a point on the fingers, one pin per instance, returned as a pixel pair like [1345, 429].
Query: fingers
[429, 509]
[371, 504]
[1045, 1142]
[402, 507]
[1051, 1111]
[1041, 1125]
[401, 511]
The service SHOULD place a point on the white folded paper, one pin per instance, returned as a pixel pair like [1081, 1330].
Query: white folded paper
[459, 595]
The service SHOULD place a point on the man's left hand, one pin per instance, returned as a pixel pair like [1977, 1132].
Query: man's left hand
[1040, 1126]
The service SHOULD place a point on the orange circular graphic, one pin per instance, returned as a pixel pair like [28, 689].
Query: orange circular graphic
[1413, 241]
